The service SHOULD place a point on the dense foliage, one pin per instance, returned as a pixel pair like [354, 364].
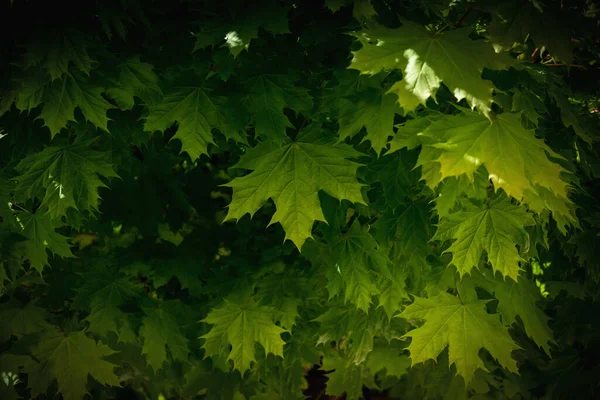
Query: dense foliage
[275, 199]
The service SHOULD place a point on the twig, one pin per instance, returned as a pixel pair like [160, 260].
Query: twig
[460, 21]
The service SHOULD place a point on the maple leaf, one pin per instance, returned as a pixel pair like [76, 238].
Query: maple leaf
[496, 228]
[19, 320]
[517, 161]
[242, 326]
[396, 174]
[407, 229]
[465, 327]
[69, 359]
[57, 51]
[292, 176]
[533, 106]
[427, 60]
[40, 232]
[135, 79]
[521, 299]
[7, 187]
[453, 188]
[389, 357]
[60, 98]
[103, 291]
[351, 328]
[351, 263]
[197, 111]
[64, 177]
[160, 330]
[392, 288]
[346, 377]
[266, 97]
[372, 109]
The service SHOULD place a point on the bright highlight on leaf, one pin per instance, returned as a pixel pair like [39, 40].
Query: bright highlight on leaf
[517, 162]
[427, 60]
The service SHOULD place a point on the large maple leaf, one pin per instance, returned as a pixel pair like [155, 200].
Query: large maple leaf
[64, 177]
[517, 162]
[69, 359]
[267, 96]
[292, 176]
[241, 326]
[427, 60]
[465, 327]
[496, 228]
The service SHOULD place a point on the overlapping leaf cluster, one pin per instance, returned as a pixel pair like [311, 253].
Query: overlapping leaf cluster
[210, 199]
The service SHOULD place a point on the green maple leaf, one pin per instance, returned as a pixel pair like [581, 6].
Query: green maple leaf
[406, 230]
[392, 290]
[465, 327]
[533, 106]
[372, 109]
[427, 60]
[69, 359]
[351, 265]
[135, 79]
[19, 320]
[495, 228]
[517, 161]
[389, 357]
[241, 326]
[346, 377]
[197, 112]
[396, 174]
[160, 330]
[40, 232]
[57, 51]
[292, 176]
[103, 291]
[453, 188]
[64, 177]
[60, 98]
[521, 299]
[7, 187]
[267, 96]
